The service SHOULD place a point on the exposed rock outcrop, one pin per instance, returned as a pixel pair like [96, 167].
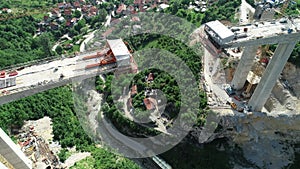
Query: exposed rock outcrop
[266, 139]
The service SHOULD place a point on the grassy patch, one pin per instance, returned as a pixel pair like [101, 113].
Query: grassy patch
[87, 163]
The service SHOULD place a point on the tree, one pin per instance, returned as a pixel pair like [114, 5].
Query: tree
[80, 24]
[73, 32]
[77, 14]
[45, 44]
[102, 15]
[59, 49]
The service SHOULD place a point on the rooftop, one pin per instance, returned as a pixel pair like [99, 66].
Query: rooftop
[133, 90]
[148, 103]
[118, 47]
[222, 31]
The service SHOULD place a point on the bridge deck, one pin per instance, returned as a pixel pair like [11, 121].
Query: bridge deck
[40, 77]
[262, 33]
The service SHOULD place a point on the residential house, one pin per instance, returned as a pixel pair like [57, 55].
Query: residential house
[68, 23]
[135, 19]
[121, 8]
[6, 10]
[68, 5]
[68, 46]
[46, 19]
[54, 25]
[137, 2]
[67, 12]
[133, 90]
[76, 4]
[130, 9]
[136, 29]
[84, 9]
[61, 5]
[61, 19]
[71, 22]
[93, 10]
[55, 13]
[149, 103]
[82, 2]
[150, 77]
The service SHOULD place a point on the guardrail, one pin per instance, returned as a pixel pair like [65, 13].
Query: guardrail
[42, 61]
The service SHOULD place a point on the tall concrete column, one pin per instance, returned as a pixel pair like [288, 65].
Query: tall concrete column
[270, 76]
[245, 64]
[12, 154]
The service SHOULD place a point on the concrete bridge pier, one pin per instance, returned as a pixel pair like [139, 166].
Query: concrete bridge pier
[12, 154]
[244, 66]
[270, 76]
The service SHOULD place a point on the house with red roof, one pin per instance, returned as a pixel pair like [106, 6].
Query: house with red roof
[54, 25]
[133, 90]
[121, 8]
[61, 5]
[93, 10]
[149, 103]
[150, 77]
[67, 12]
[76, 4]
[55, 13]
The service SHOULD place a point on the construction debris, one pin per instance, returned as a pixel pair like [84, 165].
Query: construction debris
[34, 138]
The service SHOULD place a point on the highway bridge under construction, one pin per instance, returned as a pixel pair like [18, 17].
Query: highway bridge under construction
[116, 57]
[285, 32]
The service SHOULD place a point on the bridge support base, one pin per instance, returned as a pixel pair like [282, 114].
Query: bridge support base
[244, 66]
[270, 76]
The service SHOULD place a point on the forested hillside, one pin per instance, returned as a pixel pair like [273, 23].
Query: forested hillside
[17, 44]
[58, 104]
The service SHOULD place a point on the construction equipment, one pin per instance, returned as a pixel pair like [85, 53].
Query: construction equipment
[13, 73]
[108, 59]
[230, 91]
[99, 54]
[128, 46]
[235, 107]
[2, 74]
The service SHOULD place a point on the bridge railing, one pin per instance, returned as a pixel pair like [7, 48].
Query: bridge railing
[42, 61]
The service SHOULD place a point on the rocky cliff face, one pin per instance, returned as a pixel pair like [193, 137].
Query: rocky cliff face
[266, 139]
